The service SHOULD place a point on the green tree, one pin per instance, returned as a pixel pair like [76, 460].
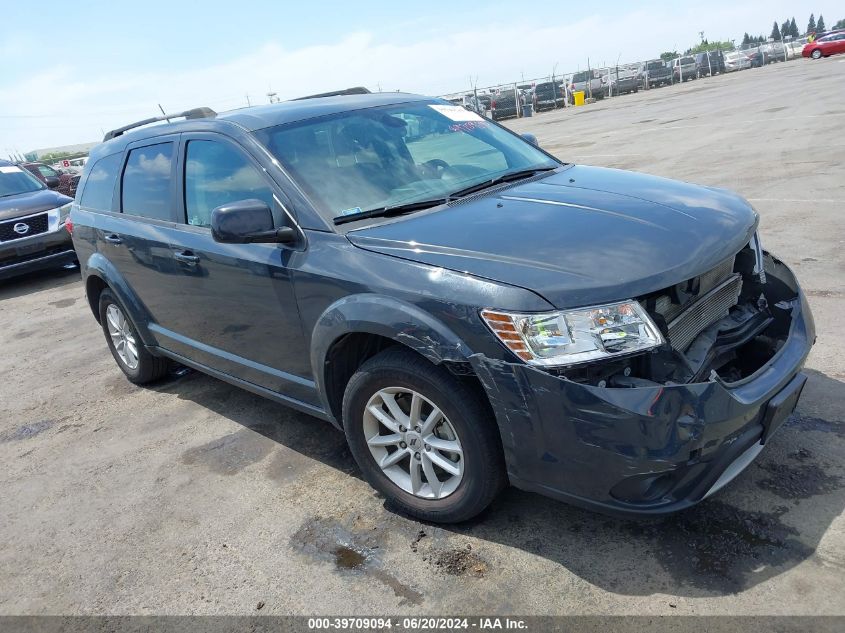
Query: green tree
[793, 28]
[669, 55]
[839, 25]
[820, 23]
[811, 24]
[784, 29]
[746, 39]
[709, 46]
[775, 31]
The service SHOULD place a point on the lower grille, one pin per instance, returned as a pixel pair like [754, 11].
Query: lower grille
[704, 312]
[35, 224]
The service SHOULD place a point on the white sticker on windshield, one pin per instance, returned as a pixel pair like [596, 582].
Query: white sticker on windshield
[456, 112]
[11, 169]
[352, 211]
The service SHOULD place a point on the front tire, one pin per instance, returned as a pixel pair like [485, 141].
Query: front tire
[139, 366]
[422, 438]
[816, 54]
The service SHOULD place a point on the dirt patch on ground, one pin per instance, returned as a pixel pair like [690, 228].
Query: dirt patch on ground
[351, 551]
[717, 546]
[460, 562]
[26, 431]
[231, 454]
[808, 423]
[798, 482]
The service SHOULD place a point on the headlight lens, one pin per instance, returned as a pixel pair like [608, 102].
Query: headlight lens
[569, 337]
[64, 212]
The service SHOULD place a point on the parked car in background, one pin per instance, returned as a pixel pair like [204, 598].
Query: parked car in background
[590, 82]
[756, 57]
[684, 68]
[832, 44]
[624, 81]
[775, 52]
[34, 231]
[549, 95]
[736, 60]
[657, 73]
[63, 182]
[632, 356]
[709, 63]
[504, 105]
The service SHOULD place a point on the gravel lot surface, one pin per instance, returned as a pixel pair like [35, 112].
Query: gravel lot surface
[195, 497]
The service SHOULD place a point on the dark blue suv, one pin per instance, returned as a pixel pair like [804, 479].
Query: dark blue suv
[466, 308]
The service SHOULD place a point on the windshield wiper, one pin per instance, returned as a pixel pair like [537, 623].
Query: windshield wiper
[408, 207]
[508, 177]
[387, 212]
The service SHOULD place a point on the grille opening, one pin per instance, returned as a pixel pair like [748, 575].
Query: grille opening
[727, 321]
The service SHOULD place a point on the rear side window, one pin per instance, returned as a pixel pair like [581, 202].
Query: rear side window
[148, 182]
[215, 174]
[99, 187]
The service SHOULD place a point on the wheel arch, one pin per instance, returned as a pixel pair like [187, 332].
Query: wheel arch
[356, 328]
[100, 274]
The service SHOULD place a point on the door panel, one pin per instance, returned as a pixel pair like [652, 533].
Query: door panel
[235, 308]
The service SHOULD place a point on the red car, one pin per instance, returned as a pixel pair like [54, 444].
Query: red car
[830, 44]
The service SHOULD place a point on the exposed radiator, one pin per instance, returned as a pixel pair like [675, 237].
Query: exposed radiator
[707, 282]
[705, 312]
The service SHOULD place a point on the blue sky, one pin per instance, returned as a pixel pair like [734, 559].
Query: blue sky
[68, 73]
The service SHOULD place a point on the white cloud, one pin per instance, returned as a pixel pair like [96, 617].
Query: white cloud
[69, 104]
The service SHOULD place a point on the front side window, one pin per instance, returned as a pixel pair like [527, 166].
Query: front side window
[15, 181]
[99, 186]
[148, 182]
[216, 174]
[395, 155]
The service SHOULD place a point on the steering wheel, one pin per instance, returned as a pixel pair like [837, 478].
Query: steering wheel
[436, 167]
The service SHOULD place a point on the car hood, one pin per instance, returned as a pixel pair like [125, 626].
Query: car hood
[580, 236]
[29, 203]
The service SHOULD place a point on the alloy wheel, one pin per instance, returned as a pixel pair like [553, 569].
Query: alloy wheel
[413, 443]
[122, 337]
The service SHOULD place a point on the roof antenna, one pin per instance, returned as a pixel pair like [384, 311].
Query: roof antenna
[163, 113]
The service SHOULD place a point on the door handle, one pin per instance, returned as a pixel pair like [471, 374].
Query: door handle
[186, 257]
[113, 238]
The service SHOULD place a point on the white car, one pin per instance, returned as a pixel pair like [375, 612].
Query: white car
[736, 60]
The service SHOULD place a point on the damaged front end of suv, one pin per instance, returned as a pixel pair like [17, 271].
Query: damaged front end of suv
[663, 399]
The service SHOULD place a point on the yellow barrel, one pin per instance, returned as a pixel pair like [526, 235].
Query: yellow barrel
[579, 97]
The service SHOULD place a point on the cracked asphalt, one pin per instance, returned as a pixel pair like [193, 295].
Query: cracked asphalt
[192, 497]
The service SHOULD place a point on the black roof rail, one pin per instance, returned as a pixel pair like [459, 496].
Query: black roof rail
[358, 90]
[196, 113]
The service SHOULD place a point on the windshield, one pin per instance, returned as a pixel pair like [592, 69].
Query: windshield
[361, 160]
[15, 181]
[655, 65]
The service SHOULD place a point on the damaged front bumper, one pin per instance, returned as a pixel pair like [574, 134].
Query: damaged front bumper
[649, 449]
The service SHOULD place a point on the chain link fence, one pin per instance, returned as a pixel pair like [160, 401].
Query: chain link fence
[558, 90]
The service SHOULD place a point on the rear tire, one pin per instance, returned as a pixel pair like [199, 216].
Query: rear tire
[474, 474]
[139, 366]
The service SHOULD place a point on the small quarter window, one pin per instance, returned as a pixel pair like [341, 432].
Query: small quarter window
[98, 191]
[147, 182]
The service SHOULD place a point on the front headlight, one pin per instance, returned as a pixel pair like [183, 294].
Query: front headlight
[569, 337]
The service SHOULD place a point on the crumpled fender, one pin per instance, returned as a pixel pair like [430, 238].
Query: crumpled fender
[385, 316]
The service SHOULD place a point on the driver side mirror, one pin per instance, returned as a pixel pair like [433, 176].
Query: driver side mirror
[531, 139]
[248, 222]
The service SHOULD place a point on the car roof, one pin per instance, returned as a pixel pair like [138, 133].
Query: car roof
[259, 117]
